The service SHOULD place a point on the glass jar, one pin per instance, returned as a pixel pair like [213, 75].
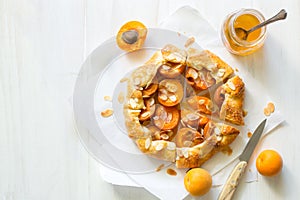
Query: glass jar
[246, 19]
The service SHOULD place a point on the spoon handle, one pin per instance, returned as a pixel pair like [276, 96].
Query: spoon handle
[279, 16]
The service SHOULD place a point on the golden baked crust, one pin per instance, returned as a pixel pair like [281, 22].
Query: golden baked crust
[210, 68]
[232, 107]
[218, 135]
[199, 137]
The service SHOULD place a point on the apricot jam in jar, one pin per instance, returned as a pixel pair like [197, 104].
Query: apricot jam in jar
[245, 19]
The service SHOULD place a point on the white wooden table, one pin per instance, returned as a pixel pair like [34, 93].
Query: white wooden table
[42, 46]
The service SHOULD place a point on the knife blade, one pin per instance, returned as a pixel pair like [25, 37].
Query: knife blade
[234, 177]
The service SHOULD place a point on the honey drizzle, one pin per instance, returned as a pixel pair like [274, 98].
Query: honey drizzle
[227, 150]
[171, 172]
[159, 167]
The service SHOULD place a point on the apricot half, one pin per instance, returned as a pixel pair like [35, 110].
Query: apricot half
[201, 104]
[131, 36]
[166, 118]
[188, 137]
[170, 92]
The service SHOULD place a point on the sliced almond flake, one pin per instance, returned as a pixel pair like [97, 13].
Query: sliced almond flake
[271, 107]
[185, 152]
[136, 100]
[145, 129]
[231, 85]
[107, 113]
[132, 103]
[169, 117]
[193, 73]
[145, 114]
[219, 138]
[139, 88]
[124, 80]
[171, 146]
[135, 111]
[159, 146]
[147, 143]
[267, 112]
[163, 91]
[166, 67]
[156, 118]
[173, 98]
[164, 136]
[192, 116]
[201, 131]
[217, 131]
[221, 73]
[222, 70]
[189, 42]
[171, 87]
[178, 66]
[151, 101]
[201, 102]
[163, 97]
[107, 98]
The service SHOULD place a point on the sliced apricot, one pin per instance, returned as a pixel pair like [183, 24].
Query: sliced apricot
[190, 118]
[171, 70]
[166, 118]
[170, 92]
[131, 36]
[193, 119]
[200, 80]
[203, 121]
[149, 109]
[201, 104]
[151, 89]
[208, 130]
[219, 96]
[188, 137]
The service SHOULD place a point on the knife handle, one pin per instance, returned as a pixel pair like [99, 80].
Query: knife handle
[232, 181]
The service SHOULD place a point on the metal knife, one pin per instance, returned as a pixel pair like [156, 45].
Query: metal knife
[233, 179]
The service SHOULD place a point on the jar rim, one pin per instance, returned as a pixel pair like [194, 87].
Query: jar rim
[238, 40]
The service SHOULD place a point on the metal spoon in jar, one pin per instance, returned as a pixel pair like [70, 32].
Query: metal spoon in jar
[243, 34]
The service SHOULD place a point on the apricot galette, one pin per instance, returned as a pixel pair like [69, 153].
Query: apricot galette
[176, 102]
